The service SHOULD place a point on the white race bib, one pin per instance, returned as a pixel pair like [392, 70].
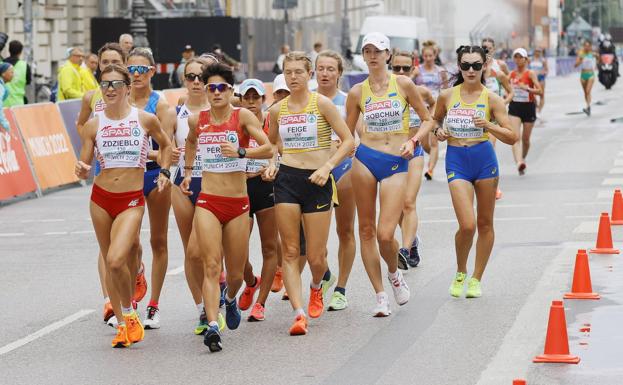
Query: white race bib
[210, 151]
[196, 172]
[521, 95]
[255, 165]
[460, 123]
[299, 131]
[414, 118]
[383, 117]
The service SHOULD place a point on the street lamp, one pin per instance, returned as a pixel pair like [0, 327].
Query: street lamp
[138, 26]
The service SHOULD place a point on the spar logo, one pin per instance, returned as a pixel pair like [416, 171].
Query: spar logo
[293, 119]
[232, 137]
[463, 112]
[311, 119]
[116, 132]
[213, 138]
[396, 104]
[382, 105]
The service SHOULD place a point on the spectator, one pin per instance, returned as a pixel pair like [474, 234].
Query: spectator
[21, 78]
[69, 79]
[6, 75]
[87, 73]
[284, 50]
[315, 52]
[126, 41]
[176, 76]
[280, 88]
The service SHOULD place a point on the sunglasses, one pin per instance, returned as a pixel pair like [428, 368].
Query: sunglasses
[401, 68]
[191, 77]
[115, 84]
[477, 66]
[140, 69]
[221, 87]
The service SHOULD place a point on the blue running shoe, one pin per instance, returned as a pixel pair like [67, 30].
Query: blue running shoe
[222, 301]
[414, 254]
[212, 339]
[232, 314]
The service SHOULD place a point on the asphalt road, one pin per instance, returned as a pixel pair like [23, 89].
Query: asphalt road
[52, 331]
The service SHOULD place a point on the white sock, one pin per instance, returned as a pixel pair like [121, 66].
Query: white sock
[213, 323]
[316, 285]
[299, 311]
[106, 299]
[394, 274]
[381, 294]
[126, 311]
[199, 308]
[229, 300]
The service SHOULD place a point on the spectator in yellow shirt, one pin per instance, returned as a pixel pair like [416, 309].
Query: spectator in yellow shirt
[87, 73]
[69, 79]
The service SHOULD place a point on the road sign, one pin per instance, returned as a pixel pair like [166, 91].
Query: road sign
[285, 4]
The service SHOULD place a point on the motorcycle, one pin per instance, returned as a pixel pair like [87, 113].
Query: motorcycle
[607, 72]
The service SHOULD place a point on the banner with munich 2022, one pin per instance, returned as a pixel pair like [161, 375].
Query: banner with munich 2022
[15, 175]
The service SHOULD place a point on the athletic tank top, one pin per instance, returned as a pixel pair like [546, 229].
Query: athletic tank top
[340, 102]
[121, 143]
[255, 165]
[430, 79]
[536, 65]
[181, 133]
[588, 62]
[387, 114]
[305, 130]
[492, 83]
[460, 115]
[97, 102]
[209, 138]
[521, 95]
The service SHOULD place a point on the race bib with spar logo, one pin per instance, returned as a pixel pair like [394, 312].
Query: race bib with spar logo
[383, 117]
[299, 131]
[121, 144]
[196, 172]
[460, 121]
[212, 160]
[255, 165]
[520, 95]
[414, 118]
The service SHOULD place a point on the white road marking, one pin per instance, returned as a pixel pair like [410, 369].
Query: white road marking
[83, 232]
[585, 203]
[509, 219]
[580, 217]
[11, 234]
[605, 194]
[612, 182]
[42, 220]
[587, 228]
[56, 233]
[616, 171]
[497, 206]
[176, 271]
[46, 330]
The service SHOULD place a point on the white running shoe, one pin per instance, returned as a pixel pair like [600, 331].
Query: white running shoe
[382, 305]
[400, 288]
[152, 318]
[112, 322]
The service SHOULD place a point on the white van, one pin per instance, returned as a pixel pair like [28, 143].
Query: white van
[404, 33]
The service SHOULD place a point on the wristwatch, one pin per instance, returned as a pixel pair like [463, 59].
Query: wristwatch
[242, 152]
[166, 172]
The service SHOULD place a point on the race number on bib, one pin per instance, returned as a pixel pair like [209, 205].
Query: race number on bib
[460, 123]
[299, 131]
[196, 172]
[255, 165]
[121, 144]
[521, 95]
[383, 117]
[212, 159]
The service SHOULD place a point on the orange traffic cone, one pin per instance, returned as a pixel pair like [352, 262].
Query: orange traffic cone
[604, 237]
[581, 287]
[556, 341]
[617, 208]
[519, 382]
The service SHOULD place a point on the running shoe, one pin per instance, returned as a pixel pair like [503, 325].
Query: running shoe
[316, 303]
[221, 322]
[152, 318]
[473, 288]
[121, 340]
[326, 285]
[338, 301]
[400, 288]
[136, 333]
[403, 255]
[587, 111]
[212, 339]
[382, 305]
[246, 298]
[232, 315]
[140, 287]
[521, 168]
[498, 194]
[285, 296]
[457, 286]
[414, 254]
[277, 281]
[428, 175]
[257, 313]
[108, 312]
[222, 300]
[299, 327]
[202, 326]
[112, 322]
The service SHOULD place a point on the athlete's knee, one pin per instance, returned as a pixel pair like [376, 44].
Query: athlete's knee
[485, 225]
[115, 262]
[409, 207]
[158, 244]
[385, 235]
[290, 253]
[346, 232]
[467, 229]
[367, 231]
[212, 268]
[269, 249]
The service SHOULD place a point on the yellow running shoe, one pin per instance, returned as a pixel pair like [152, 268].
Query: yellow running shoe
[473, 288]
[456, 288]
[221, 322]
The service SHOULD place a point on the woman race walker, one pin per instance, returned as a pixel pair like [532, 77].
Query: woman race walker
[522, 109]
[221, 136]
[329, 68]
[401, 65]
[304, 187]
[92, 103]
[262, 202]
[434, 78]
[538, 65]
[383, 99]
[119, 137]
[141, 65]
[467, 111]
[586, 60]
